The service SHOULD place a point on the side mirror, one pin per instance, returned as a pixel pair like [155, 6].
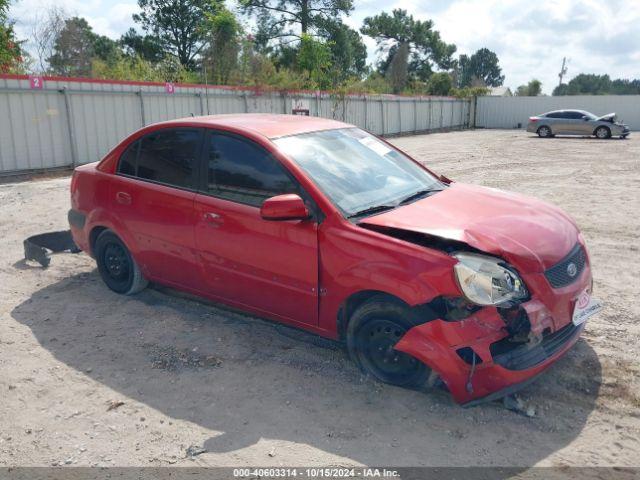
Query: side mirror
[585, 118]
[284, 207]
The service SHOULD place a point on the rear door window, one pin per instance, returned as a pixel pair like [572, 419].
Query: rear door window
[168, 156]
[244, 172]
[128, 160]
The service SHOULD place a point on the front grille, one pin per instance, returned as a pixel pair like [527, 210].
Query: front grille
[521, 356]
[559, 274]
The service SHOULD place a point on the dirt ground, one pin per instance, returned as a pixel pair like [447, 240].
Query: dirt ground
[88, 377]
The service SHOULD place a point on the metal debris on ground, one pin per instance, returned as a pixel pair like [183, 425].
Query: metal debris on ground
[40, 247]
[113, 404]
[195, 450]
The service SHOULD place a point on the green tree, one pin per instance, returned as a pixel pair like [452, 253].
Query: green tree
[288, 20]
[105, 48]
[625, 87]
[585, 84]
[314, 58]
[10, 51]
[348, 51]
[147, 47]
[73, 49]
[281, 24]
[439, 83]
[177, 25]
[225, 37]
[531, 89]
[417, 45]
[480, 67]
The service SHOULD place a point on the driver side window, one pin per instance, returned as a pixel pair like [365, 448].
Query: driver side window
[241, 171]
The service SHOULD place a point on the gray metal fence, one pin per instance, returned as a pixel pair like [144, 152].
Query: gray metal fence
[509, 112]
[68, 122]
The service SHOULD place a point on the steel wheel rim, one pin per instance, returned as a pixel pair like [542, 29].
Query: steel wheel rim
[116, 262]
[379, 338]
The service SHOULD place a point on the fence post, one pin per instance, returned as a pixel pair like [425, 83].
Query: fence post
[318, 104]
[366, 113]
[72, 136]
[453, 104]
[430, 115]
[246, 102]
[399, 115]
[415, 115]
[382, 114]
[284, 102]
[201, 103]
[475, 112]
[441, 119]
[142, 119]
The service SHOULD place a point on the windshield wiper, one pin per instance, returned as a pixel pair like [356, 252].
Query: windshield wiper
[372, 210]
[419, 194]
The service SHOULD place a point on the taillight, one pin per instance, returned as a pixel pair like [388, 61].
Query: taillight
[533, 119]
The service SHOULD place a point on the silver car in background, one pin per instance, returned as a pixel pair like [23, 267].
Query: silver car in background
[576, 122]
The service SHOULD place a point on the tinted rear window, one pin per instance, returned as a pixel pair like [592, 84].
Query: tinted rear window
[166, 156]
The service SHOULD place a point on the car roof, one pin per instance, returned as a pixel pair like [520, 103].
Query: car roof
[265, 124]
[566, 110]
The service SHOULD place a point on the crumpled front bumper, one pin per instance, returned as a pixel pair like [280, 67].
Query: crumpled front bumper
[436, 343]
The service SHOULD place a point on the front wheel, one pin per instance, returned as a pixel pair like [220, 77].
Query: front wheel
[544, 132]
[117, 267]
[603, 133]
[373, 330]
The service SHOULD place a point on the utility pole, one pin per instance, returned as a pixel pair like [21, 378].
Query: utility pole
[563, 70]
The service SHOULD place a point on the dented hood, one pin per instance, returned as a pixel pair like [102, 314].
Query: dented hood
[530, 234]
[609, 117]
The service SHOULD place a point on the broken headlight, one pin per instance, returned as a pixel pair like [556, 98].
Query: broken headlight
[486, 280]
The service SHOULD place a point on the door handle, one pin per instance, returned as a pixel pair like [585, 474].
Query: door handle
[123, 198]
[213, 218]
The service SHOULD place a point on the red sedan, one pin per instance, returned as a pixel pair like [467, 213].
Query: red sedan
[323, 226]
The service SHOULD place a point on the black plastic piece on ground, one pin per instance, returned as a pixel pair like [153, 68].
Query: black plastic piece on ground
[40, 247]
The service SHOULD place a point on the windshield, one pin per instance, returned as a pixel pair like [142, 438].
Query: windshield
[357, 171]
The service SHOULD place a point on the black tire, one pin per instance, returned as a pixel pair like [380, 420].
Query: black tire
[374, 328]
[602, 132]
[117, 267]
[544, 132]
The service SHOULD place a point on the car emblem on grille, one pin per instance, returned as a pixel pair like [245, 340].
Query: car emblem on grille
[572, 270]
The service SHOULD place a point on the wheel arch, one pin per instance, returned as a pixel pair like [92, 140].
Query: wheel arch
[420, 313]
[602, 126]
[544, 125]
[93, 236]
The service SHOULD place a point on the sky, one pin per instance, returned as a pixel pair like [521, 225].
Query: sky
[530, 38]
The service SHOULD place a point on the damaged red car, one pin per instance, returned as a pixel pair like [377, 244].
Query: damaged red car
[320, 225]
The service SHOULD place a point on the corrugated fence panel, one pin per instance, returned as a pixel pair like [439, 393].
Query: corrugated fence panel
[72, 120]
[33, 132]
[100, 122]
[508, 112]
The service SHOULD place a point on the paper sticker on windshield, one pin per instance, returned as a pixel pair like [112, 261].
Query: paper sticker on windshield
[373, 144]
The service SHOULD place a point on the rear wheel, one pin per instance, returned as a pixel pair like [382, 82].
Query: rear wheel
[373, 331]
[117, 267]
[544, 132]
[602, 132]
